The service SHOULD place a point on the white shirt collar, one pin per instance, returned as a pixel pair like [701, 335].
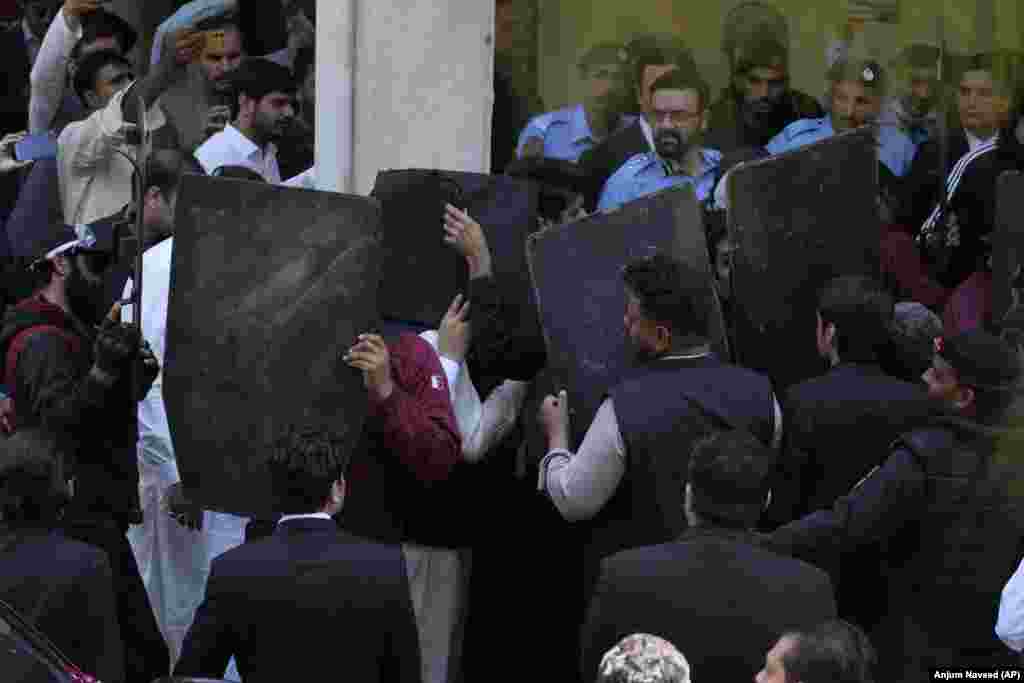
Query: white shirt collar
[974, 142]
[246, 146]
[314, 515]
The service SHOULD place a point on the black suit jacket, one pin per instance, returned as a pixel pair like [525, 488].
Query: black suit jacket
[66, 590]
[720, 600]
[309, 598]
[838, 427]
[14, 78]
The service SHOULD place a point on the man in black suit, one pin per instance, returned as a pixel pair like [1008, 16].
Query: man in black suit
[310, 597]
[840, 425]
[62, 587]
[713, 592]
[19, 46]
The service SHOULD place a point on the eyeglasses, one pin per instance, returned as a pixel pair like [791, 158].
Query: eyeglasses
[676, 117]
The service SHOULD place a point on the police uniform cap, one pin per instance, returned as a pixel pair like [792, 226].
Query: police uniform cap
[868, 72]
[918, 56]
[603, 54]
[981, 360]
[764, 52]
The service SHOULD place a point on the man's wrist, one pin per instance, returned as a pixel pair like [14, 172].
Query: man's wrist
[479, 267]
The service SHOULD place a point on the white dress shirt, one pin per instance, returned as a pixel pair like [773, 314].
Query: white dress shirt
[95, 180]
[50, 72]
[1010, 623]
[230, 148]
[581, 484]
[174, 561]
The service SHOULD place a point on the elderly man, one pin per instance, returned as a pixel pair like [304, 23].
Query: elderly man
[567, 133]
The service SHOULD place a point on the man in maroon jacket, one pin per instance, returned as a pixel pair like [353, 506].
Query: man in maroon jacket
[400, 490]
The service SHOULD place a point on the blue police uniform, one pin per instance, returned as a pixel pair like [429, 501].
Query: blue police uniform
[645, 174]
[565, 132]
[895, 149]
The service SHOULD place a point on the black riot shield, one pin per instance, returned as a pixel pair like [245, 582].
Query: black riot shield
[797, 220]
[422, 274]
[1008, 247]
[577, 272]
[269, 288]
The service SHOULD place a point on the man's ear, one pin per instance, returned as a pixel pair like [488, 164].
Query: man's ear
[338, 491]
[830, 334]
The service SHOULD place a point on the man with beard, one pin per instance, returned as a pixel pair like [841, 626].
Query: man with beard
[678, 107]
[759, 102]
[857, 91]
[261, 114]
[567, 133]
[76, 382]
[629, 474]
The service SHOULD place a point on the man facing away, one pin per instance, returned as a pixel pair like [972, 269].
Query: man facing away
[309, 597]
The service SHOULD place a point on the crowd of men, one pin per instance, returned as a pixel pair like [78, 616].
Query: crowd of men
[712, 522]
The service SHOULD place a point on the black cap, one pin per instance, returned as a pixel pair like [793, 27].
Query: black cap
[868, 72]
[981, 360]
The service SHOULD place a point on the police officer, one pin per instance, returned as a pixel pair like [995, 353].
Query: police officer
[679, 102]
[857, 89]
[941, 506]
[915, 112]
[567, 133]
[759, 101]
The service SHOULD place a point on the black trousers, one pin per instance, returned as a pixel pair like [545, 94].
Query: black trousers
[147, 657]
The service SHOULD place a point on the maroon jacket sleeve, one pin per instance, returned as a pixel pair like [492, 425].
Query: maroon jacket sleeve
[417, 421]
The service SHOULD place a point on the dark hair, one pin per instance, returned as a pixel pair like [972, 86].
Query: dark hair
[256, 78]
[303, 465]
[672, 293]
[834, 652]
[103, 24]
[33, 489]
[305, 61]
[862, 311]
[728, 474]
[90, 66]
[684, 79]
[652, 50]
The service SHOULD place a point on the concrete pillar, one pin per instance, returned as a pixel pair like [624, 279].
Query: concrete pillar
[419, 86]
[336, 27]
